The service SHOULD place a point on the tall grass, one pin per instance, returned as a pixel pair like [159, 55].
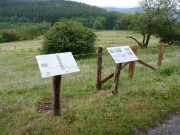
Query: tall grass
[142, 101]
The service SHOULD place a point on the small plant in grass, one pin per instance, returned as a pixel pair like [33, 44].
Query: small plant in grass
[167, 70]
[69, 36]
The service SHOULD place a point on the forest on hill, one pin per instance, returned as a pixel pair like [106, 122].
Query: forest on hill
[53, 11]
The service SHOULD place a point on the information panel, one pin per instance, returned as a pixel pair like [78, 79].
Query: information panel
[57, 64]
[122, 54]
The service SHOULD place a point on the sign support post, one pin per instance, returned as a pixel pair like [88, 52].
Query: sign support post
[132, 64]
[56, 86]
[116, 78]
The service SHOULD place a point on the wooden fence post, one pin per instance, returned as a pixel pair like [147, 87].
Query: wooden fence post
[160, 56]
[132, 64]
[116, 79]
[146, 65]
[56, 85]
[99, 68]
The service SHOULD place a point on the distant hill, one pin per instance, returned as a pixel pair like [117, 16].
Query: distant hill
[48, 10]
[122, 10]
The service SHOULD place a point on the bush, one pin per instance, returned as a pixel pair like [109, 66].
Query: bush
[167, 70]
[8, 36]
[1, 38]
[171, 37]
[32, 31]
[22, 31]
[69, 36]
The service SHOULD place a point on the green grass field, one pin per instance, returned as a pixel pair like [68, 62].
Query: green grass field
[142, 102]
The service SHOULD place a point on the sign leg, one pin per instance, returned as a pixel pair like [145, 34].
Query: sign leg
[56, 84]
[116, 79]
[132, 64]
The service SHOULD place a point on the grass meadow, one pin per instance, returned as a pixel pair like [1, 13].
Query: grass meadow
[143, 101]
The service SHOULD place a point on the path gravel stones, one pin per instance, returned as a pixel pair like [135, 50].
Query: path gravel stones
[170, 127]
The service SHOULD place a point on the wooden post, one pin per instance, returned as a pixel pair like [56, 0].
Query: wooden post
[145, 64]
[56, 106]
[99, 68]
[124, 65]
[160, 56]
[116, 79]
[132, 64]
[107, 78]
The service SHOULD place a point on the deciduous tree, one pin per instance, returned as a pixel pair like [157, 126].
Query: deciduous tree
[157, 17]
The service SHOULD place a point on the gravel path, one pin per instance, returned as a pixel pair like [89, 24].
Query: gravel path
[170, 127]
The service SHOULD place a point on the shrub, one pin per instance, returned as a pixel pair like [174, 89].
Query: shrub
[8, 36]
[1, 38]
[69, 36]
[167, 70]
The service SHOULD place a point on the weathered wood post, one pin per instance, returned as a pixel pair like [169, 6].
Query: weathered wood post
[99, 68]
[56, 85]
[116, 78]
[160, 56]
[132, 64]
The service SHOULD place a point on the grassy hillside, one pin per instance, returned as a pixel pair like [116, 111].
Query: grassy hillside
[142, 101]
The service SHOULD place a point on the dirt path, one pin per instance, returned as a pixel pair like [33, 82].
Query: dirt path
[170, 127]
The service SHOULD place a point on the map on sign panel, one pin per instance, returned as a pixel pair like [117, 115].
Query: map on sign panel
[57, 64]
[122, 54]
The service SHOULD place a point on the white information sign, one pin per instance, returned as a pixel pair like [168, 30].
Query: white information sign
[122, 54]
[57, 64]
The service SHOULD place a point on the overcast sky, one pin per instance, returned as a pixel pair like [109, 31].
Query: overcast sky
[111, 3]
